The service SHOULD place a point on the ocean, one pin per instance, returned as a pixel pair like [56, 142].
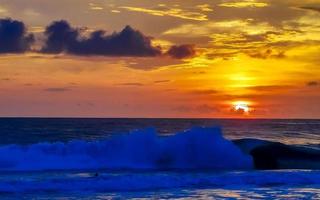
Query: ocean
[48, 158]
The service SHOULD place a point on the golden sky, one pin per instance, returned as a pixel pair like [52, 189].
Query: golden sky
[262, 53]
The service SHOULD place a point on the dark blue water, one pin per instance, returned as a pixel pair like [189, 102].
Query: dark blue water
[126, 159]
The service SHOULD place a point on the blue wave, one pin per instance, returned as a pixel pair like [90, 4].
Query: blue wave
[198, 148]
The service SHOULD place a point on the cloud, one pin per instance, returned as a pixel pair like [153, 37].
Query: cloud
[202, 109]
[244, 4]
[258, 39]
[270, 88]
[36, 29]
[172, 12]
[149, 63]
[161, 81]
[132, 84]
[205, 7]
[86, 104]
[312, 84]
[14, 37]
[93, 6]
[204, 92]
[61, 37]
[240, 111]
[182, 51]
[234, 26]
[58, 89]
[269, 53]
[312, 8]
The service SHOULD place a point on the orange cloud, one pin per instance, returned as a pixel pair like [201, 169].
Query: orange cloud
[244, 4]
[172, 12]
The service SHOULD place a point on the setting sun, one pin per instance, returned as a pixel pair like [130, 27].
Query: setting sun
[241, 107]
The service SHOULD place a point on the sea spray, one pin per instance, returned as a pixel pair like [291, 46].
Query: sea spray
[196, 149]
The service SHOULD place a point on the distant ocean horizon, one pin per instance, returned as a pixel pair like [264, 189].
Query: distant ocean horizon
[93, 128]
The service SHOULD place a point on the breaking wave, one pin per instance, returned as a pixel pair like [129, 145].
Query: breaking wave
[197, 148]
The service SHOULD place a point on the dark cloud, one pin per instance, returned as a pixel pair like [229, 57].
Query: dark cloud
[203, 109]
[312, 83]
[270, 88]
[61, 37]
[239, 111]
[131, 84]
[58, 89]
[199, 72]
[267, 54]
[182, 51]
[313, 8]
[14, 37]
[162, 81]
[204, 92]
[149, 63]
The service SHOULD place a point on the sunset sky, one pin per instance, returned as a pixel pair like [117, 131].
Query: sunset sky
[124, 58]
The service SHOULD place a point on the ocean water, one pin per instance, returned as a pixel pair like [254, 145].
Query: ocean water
[151, 159]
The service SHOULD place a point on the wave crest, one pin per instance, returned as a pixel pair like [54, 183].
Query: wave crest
[197, 148]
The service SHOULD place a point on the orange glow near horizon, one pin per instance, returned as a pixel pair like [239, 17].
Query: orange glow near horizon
[244, 64]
